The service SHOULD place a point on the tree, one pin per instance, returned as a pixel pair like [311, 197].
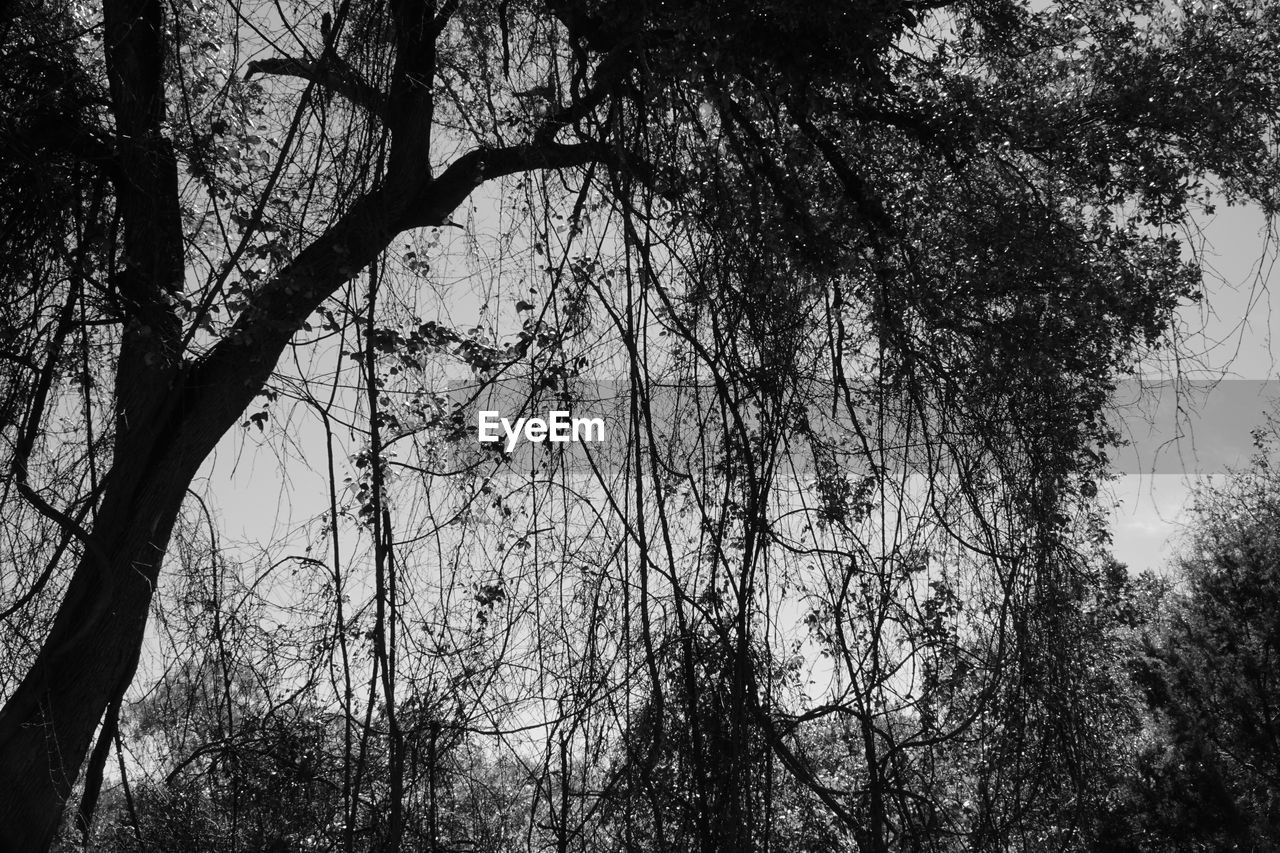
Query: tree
[1204, 776]
[960, 212]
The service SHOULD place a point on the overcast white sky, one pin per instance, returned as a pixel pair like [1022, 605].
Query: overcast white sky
[1231, 336]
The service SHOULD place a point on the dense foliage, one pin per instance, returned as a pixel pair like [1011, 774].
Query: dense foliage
[1203, 776]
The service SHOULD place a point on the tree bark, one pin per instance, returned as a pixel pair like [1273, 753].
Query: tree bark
[89, 657]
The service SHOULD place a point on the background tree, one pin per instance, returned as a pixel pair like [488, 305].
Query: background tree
[1203, 776]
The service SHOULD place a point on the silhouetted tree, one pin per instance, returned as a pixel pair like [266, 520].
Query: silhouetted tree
[959, 217]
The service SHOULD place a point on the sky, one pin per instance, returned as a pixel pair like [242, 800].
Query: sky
[1179, 434]
[1182, 439]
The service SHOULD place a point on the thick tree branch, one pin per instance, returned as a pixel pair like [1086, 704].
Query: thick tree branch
[598, 32]
[147, 196]
[411, 102]
[332, 74]
[468, 172]
[608, 74]
[225, 381]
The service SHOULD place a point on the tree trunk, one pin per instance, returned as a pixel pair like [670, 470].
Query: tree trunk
[171, 419]
[90, 657]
